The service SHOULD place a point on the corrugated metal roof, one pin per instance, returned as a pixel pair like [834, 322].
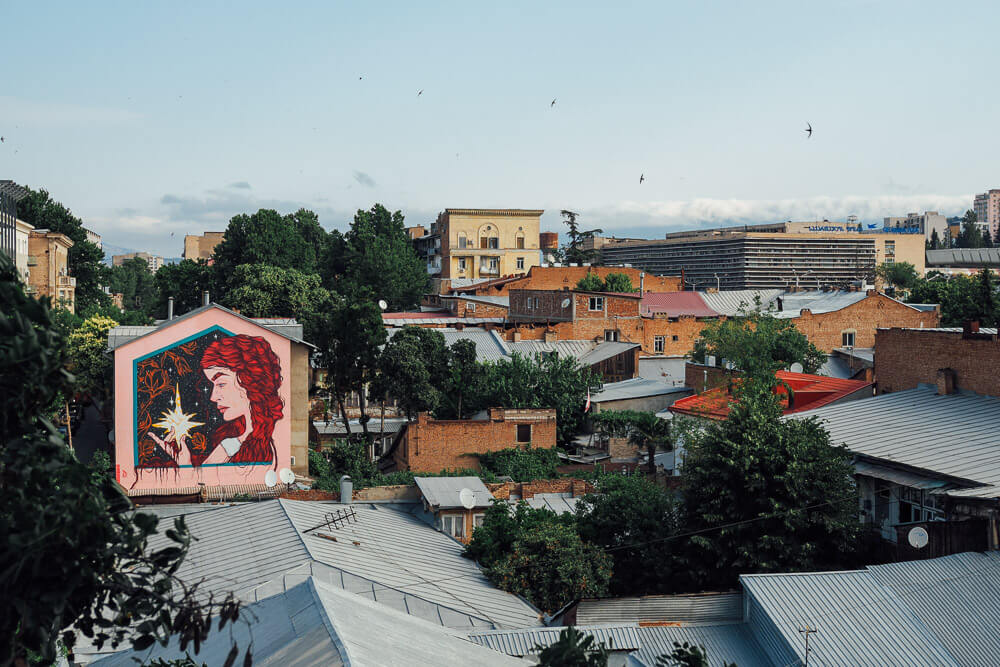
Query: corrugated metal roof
[967, 257]
[565, 348]
[699, 608]
[859, 622]
[723, 642]
[437, 320]
[606, 350]
[635, 388]
[734, 302]
[676, 304]
[957, 597]
[954, 435]
[992, 331]
[445, 492]
[903, 477]
[664, 369]
[525, 642]
[817, 301]
[560, 503]
[503, 301]
[392, 425]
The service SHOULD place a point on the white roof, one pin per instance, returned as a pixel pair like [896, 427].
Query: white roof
[445, 492]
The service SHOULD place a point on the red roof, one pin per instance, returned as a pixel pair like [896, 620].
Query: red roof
[808, 393]
[676, 304]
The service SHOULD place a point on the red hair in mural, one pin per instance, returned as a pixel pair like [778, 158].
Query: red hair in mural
[258, 376]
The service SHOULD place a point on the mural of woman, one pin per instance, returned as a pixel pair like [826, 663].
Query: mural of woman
[245, 375]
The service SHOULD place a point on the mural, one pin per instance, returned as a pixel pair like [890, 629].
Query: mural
[207, 401]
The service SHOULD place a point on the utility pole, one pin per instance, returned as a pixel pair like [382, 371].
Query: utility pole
[806, 631]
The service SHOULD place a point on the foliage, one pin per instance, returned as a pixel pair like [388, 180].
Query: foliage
[643, 429]
[65, 322]
[899, 275]
[75, 555]
[632, 519]
[294, 241]
[542, 381]
[84, 258]
[619, 282]
[503, 524]
[590, 283]
[100, 467]
[549, 565]
[261, 290]
[521, 464]
[379, 260]
[185, 281]
[464, 374]
[686, 655]
[134, 281]
[573, 649]
[770, 494]
[962, 298]
[574, 252]
[88, 358]
[758, 344]
[349, 459]
[935, 242]
[413, 370]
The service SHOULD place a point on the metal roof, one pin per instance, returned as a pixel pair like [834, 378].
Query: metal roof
[676, 304]
[525, 642]
[490, 346]
[445, 492]
[565, 348]
[968, 257]
[897, 476]
[955, 435]
[991, 331]
[560, 503]
[435, 318]
[817, 301]
[664, 369]
[723, 642]
[734, 302]
[503, 301]
[635, 388]
[606, 350]
[859, 622]
[336, 427]
[698, 608]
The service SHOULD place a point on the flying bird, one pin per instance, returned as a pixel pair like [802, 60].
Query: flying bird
[1, 140]
[809, 131]
[420, 93]
[553, 104]
[642, 177]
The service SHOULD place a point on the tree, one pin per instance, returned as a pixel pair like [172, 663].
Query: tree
[962, 298]
[970, 236]
[185, 282]
[89, 360]
[75, 555]
[260, 290]
[85, 259]
[522, 464]
[686, 655]
[573, 649]
[643, 429]
[987, 239]
[503, 525]
[574, 251]
[935, 241]
[985, 299]
[380, 260]
[763, 494]
[619, 282]
[590, 283]
[902, 275]
[413, 370]
[758, 343]
[464, 373]
[549, 565]
[134, 281]
[632, 519]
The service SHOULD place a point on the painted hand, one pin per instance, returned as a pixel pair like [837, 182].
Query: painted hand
[179, 452]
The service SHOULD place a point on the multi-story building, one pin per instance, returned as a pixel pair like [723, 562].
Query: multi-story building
[48, 268]
[94, 238]
[987, 208]
[202, 247]
[480, 243]
[780, 255]
[926, 223]
[153, 261]
[21, 252]
[10, 194]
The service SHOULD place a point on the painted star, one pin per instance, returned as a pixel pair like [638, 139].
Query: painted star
[175, 422]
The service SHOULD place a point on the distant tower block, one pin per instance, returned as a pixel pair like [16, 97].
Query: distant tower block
[548, 240]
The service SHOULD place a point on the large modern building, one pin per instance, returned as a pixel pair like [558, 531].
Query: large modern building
[987, 208]
[471, 244]
[154, 262]
[10, 194]
[926, 223]
[781, 255]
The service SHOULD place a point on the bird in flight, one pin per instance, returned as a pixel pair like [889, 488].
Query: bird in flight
[809, 131]
[1, 140]
[553, 104]
[420, 93]
[642, 177]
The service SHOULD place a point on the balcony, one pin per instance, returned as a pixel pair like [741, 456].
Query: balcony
[487, 270]
[65, 281]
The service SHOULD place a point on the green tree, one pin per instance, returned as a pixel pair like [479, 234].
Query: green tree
[962, 298]
[380, 260]
[763, 494]
[464, 373]
[549, 565]
[898, 275]
[758, 343]
[632, 519]
[970, 236]
[185, 281]
[574, 251]
[85, 259]
[522, 464]
[985, 298]
[503, 525]
[643, 429]
[591, 283]
[134, 281]
[413, 370]
[89, 360]
[261, 290]
[935, 241]
[573, 649]
[619, 282]
[75, 555]
[987, 239]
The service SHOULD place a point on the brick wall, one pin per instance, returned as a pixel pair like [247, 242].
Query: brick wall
[465, 308]
[876, 311]
[701, 377]
[905, 358]
[567, 277]
[430, 445]
[578, 487]
[678, 334]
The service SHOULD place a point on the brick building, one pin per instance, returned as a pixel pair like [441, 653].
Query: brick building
[48, 268]
[567, 277]
[473, 305]
[433, 445]
[906, 358]
[202, 247]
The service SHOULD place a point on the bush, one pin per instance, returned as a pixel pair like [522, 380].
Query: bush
[503, 524]
[521, 464]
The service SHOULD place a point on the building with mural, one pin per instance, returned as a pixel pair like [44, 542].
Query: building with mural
[207, 400]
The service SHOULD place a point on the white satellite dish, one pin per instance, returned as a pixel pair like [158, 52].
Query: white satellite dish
[382, 304]
[565, 303]
[796, 367]
[710, 360]
[550, 258]
[468, 498]
[270, 479]
[286, 475]
[918, 537]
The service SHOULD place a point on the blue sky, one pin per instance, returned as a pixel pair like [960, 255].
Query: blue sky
[152, 119]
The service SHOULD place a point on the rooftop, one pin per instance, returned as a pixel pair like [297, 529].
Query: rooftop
[635, 388]
[964, 257]
[676, 304]
[446, 492]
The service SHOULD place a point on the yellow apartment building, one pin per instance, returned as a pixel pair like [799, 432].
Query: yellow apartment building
[486, 243]
[48, 268]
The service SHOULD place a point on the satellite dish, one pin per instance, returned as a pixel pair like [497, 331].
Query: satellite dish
[286, 475]
[468, 498]
[796, 367]
[565, 303]
[270, 479]
[550, 259]
[710, 360]
[382, 304]
[917, 537]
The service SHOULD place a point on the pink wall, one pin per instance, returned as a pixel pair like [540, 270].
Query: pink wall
[180, 371]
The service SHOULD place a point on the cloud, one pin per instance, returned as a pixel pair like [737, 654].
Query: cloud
[30, 113]
[239, 185]
[364, 179]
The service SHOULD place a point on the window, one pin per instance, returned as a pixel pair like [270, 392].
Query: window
[537, 300]
[519, 242]
[463, 240]
[470, 307]
[529, 303]
[596, 303]
[611, 335]
[890, 247]
[461, 264]
[520, 262]
[494, 243]
[524, 432]
[847, 338]
[478, 520]
[674, 338]
[658, 344]
[453, 524]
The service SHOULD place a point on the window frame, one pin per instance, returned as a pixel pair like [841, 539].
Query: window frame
[596, 304]
[518, 436]
[659, 343]
[853, 333]
[520, 263]
[611, 335]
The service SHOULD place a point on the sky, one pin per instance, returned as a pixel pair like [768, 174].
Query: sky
[153, 120]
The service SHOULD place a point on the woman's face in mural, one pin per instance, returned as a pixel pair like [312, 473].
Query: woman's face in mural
[227, 394]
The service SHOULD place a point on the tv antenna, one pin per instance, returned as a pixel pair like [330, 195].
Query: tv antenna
[806, 631]
[468, 498]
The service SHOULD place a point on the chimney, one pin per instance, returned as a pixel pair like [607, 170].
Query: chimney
[516, 336]
[170, 308]
[551, 337]
[204, 298]
[970, 327]
[945, 381]
[346, 489]
[642, 282]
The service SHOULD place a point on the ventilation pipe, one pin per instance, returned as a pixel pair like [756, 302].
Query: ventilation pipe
[204, 298]
[346, 489]
[642, 282]
[170, 308]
